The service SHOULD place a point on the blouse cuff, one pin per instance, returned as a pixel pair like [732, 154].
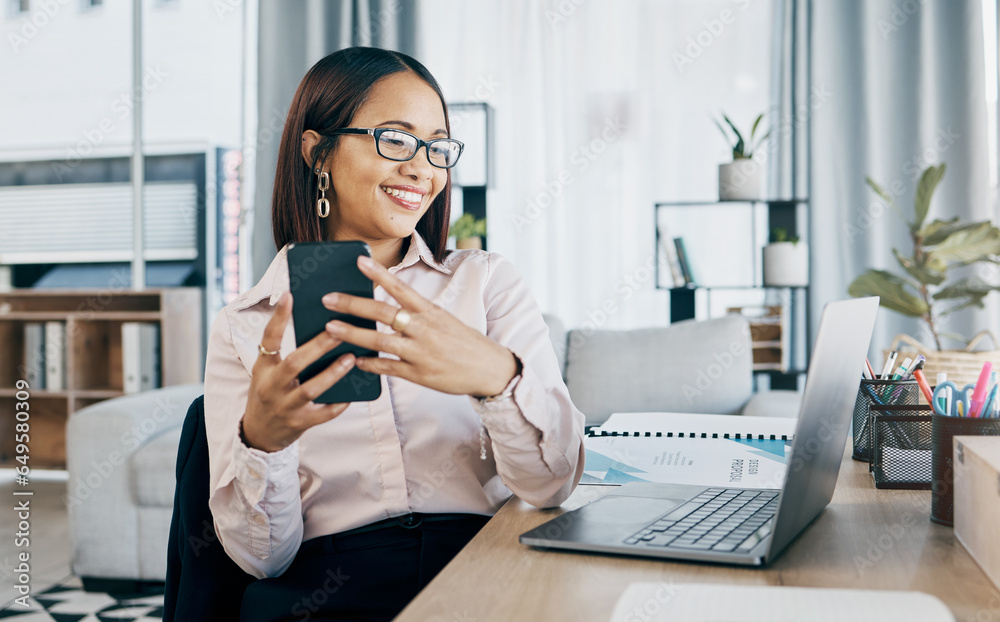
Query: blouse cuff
[256, 470]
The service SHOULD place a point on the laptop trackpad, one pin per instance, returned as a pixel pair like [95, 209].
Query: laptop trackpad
[608, 520]
[621, 510]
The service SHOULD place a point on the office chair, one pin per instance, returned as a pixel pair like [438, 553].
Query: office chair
[203, 582]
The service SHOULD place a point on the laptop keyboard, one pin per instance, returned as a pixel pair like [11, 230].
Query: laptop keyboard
[719, 519]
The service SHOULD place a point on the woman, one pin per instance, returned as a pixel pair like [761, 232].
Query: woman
[350, 509]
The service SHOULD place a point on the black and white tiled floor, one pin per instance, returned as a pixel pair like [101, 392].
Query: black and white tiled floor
[67, 602]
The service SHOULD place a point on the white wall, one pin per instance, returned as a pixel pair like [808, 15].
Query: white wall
[66, 78]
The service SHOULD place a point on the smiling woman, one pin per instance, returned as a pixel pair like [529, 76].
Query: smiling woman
[472, 409]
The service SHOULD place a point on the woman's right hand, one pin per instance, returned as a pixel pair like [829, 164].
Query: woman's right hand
[279, 409]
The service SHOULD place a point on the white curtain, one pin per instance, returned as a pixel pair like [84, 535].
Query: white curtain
[906, 83]
[603, 108]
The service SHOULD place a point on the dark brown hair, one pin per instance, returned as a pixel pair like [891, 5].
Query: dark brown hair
[327, 98]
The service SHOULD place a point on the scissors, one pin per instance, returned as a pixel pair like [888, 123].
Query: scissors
[959, 399]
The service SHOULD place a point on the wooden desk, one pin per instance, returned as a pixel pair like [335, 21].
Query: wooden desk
[865, 539]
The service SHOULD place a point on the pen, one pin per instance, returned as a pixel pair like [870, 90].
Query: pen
[991, 397]
[918, 363]
[979, 393]
[887, 368]
[988, 405]
[866, 372]
[903, 369]
[918, 373]
[947, 401]
[871, 372]
[891, 393]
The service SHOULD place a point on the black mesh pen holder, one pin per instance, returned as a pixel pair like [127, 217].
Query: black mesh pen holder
[901, 446]
[878, 393]
[944, 429]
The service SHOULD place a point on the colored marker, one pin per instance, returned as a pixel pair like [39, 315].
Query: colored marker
[925, 388]
[979, 393]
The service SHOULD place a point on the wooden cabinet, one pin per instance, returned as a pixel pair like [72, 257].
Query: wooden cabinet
[91, 355]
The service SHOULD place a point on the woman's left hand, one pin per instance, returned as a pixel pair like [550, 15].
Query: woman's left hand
[435, 349]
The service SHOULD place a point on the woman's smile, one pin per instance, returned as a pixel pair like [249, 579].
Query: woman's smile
[409, 197]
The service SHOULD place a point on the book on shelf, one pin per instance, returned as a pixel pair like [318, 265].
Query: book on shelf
[34, 355]
[676, 276]
[684, 448]
[55, 356]
[140, 356]
[684, 261]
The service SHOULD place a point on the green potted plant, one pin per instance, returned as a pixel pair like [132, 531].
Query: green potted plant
[786, 260]
[739, 180]
[924, 289]
[468, 231]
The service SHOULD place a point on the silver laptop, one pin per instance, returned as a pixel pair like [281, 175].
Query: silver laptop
[738, 525]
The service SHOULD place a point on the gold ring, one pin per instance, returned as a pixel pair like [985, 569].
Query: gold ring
[401, 320]
[265, 351]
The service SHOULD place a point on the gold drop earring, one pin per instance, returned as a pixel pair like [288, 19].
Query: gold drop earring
[323, 205]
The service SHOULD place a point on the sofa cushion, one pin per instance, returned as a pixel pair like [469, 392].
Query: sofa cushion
[690, 366]
[557, 335]
[153, 470]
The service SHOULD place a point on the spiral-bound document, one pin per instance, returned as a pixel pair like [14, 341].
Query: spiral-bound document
[683, 448]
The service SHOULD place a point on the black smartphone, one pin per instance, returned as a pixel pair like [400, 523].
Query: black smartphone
[314, 270]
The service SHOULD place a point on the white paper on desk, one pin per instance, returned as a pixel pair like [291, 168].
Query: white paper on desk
[742, 463]
[698, 602]
[693, 423]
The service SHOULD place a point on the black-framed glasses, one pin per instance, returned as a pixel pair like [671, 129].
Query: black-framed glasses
[401, 146]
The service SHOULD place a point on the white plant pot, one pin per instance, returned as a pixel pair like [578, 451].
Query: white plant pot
[473, 242]
[786, 264]
[739, 180]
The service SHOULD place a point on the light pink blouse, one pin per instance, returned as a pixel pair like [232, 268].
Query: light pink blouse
[413, 449]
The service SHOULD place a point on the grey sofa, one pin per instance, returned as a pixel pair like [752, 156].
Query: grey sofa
[121, 452]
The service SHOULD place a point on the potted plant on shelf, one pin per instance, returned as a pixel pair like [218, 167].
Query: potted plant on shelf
[786, 260]
[739, 180]
[924, 290]
[468, 231]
